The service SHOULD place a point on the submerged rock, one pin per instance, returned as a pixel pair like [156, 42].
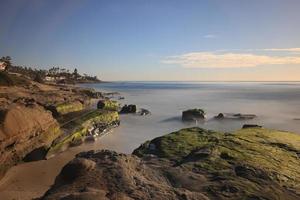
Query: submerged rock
[188, 164]
[126, 109]
[251, 126]
[143, 112]
[193, 114]
[220, 116]
[234, 116]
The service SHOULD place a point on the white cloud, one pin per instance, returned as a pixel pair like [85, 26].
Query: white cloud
[209, 36]
[284, 49]
[228, 60]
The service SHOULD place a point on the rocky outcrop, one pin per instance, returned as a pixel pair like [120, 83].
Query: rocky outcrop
[24, 128]
[235, 116]
[91, 125]
[108, 105]
[115, 176]
[65, 108]
[126, 109]
[193, 114]
[189, 164]
[251, 126]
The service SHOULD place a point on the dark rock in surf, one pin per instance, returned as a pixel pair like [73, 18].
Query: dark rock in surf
[220, 116]
[144, 112]
[128, 109]
[251, 126]
[193, 114]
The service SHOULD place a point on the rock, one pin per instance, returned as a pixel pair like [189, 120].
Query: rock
[244, 116]
[192, 163]
[193, 114]
[90, 93]
[77, 167]
[25, 129]
[108, 105]
[144, 112]
[128, 109]
[251, 126]
[220, 116]
[116, 176]
[65, 108]
[37, 154]
[199, 151]
[97, 119]
[234, 116]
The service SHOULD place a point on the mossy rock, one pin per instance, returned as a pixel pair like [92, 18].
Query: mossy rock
[193, 114]
[80, 131]
[68, 107]
[108, 105]
[257, 162]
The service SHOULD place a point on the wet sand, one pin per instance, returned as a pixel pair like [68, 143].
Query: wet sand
[31, 180]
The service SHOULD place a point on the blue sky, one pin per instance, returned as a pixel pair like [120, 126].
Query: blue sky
[156, 39]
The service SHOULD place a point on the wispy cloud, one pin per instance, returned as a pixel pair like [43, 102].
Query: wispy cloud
[209, 36]
[221, 59]
[284, 49]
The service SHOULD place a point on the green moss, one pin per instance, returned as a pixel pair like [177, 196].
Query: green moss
[196, 111]
[108, 105]
[179, 144]
[276, 153]
[75, 137]
[81, 126]
[65, 108]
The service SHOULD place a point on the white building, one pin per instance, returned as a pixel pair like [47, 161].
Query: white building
[49, 78]
[2, 66]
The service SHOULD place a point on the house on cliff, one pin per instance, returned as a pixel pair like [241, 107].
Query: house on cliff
[3, 66]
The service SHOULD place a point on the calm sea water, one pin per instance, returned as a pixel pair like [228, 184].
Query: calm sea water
[277, 106]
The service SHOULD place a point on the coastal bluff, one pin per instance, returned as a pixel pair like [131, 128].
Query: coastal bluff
[38, 121]
[192, 163]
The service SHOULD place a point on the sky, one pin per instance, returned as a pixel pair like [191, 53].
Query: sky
[156, 40]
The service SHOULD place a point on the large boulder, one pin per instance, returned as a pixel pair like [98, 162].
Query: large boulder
[191, 164]
[193, 114]
[23, 129]
[128, 109]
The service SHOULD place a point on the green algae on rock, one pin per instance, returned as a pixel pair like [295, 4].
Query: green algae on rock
[191, 164]
[82, 127]
[68, 107]
[108, 105]
[249, 163]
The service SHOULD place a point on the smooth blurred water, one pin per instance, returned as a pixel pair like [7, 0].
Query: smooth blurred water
[277, 105]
